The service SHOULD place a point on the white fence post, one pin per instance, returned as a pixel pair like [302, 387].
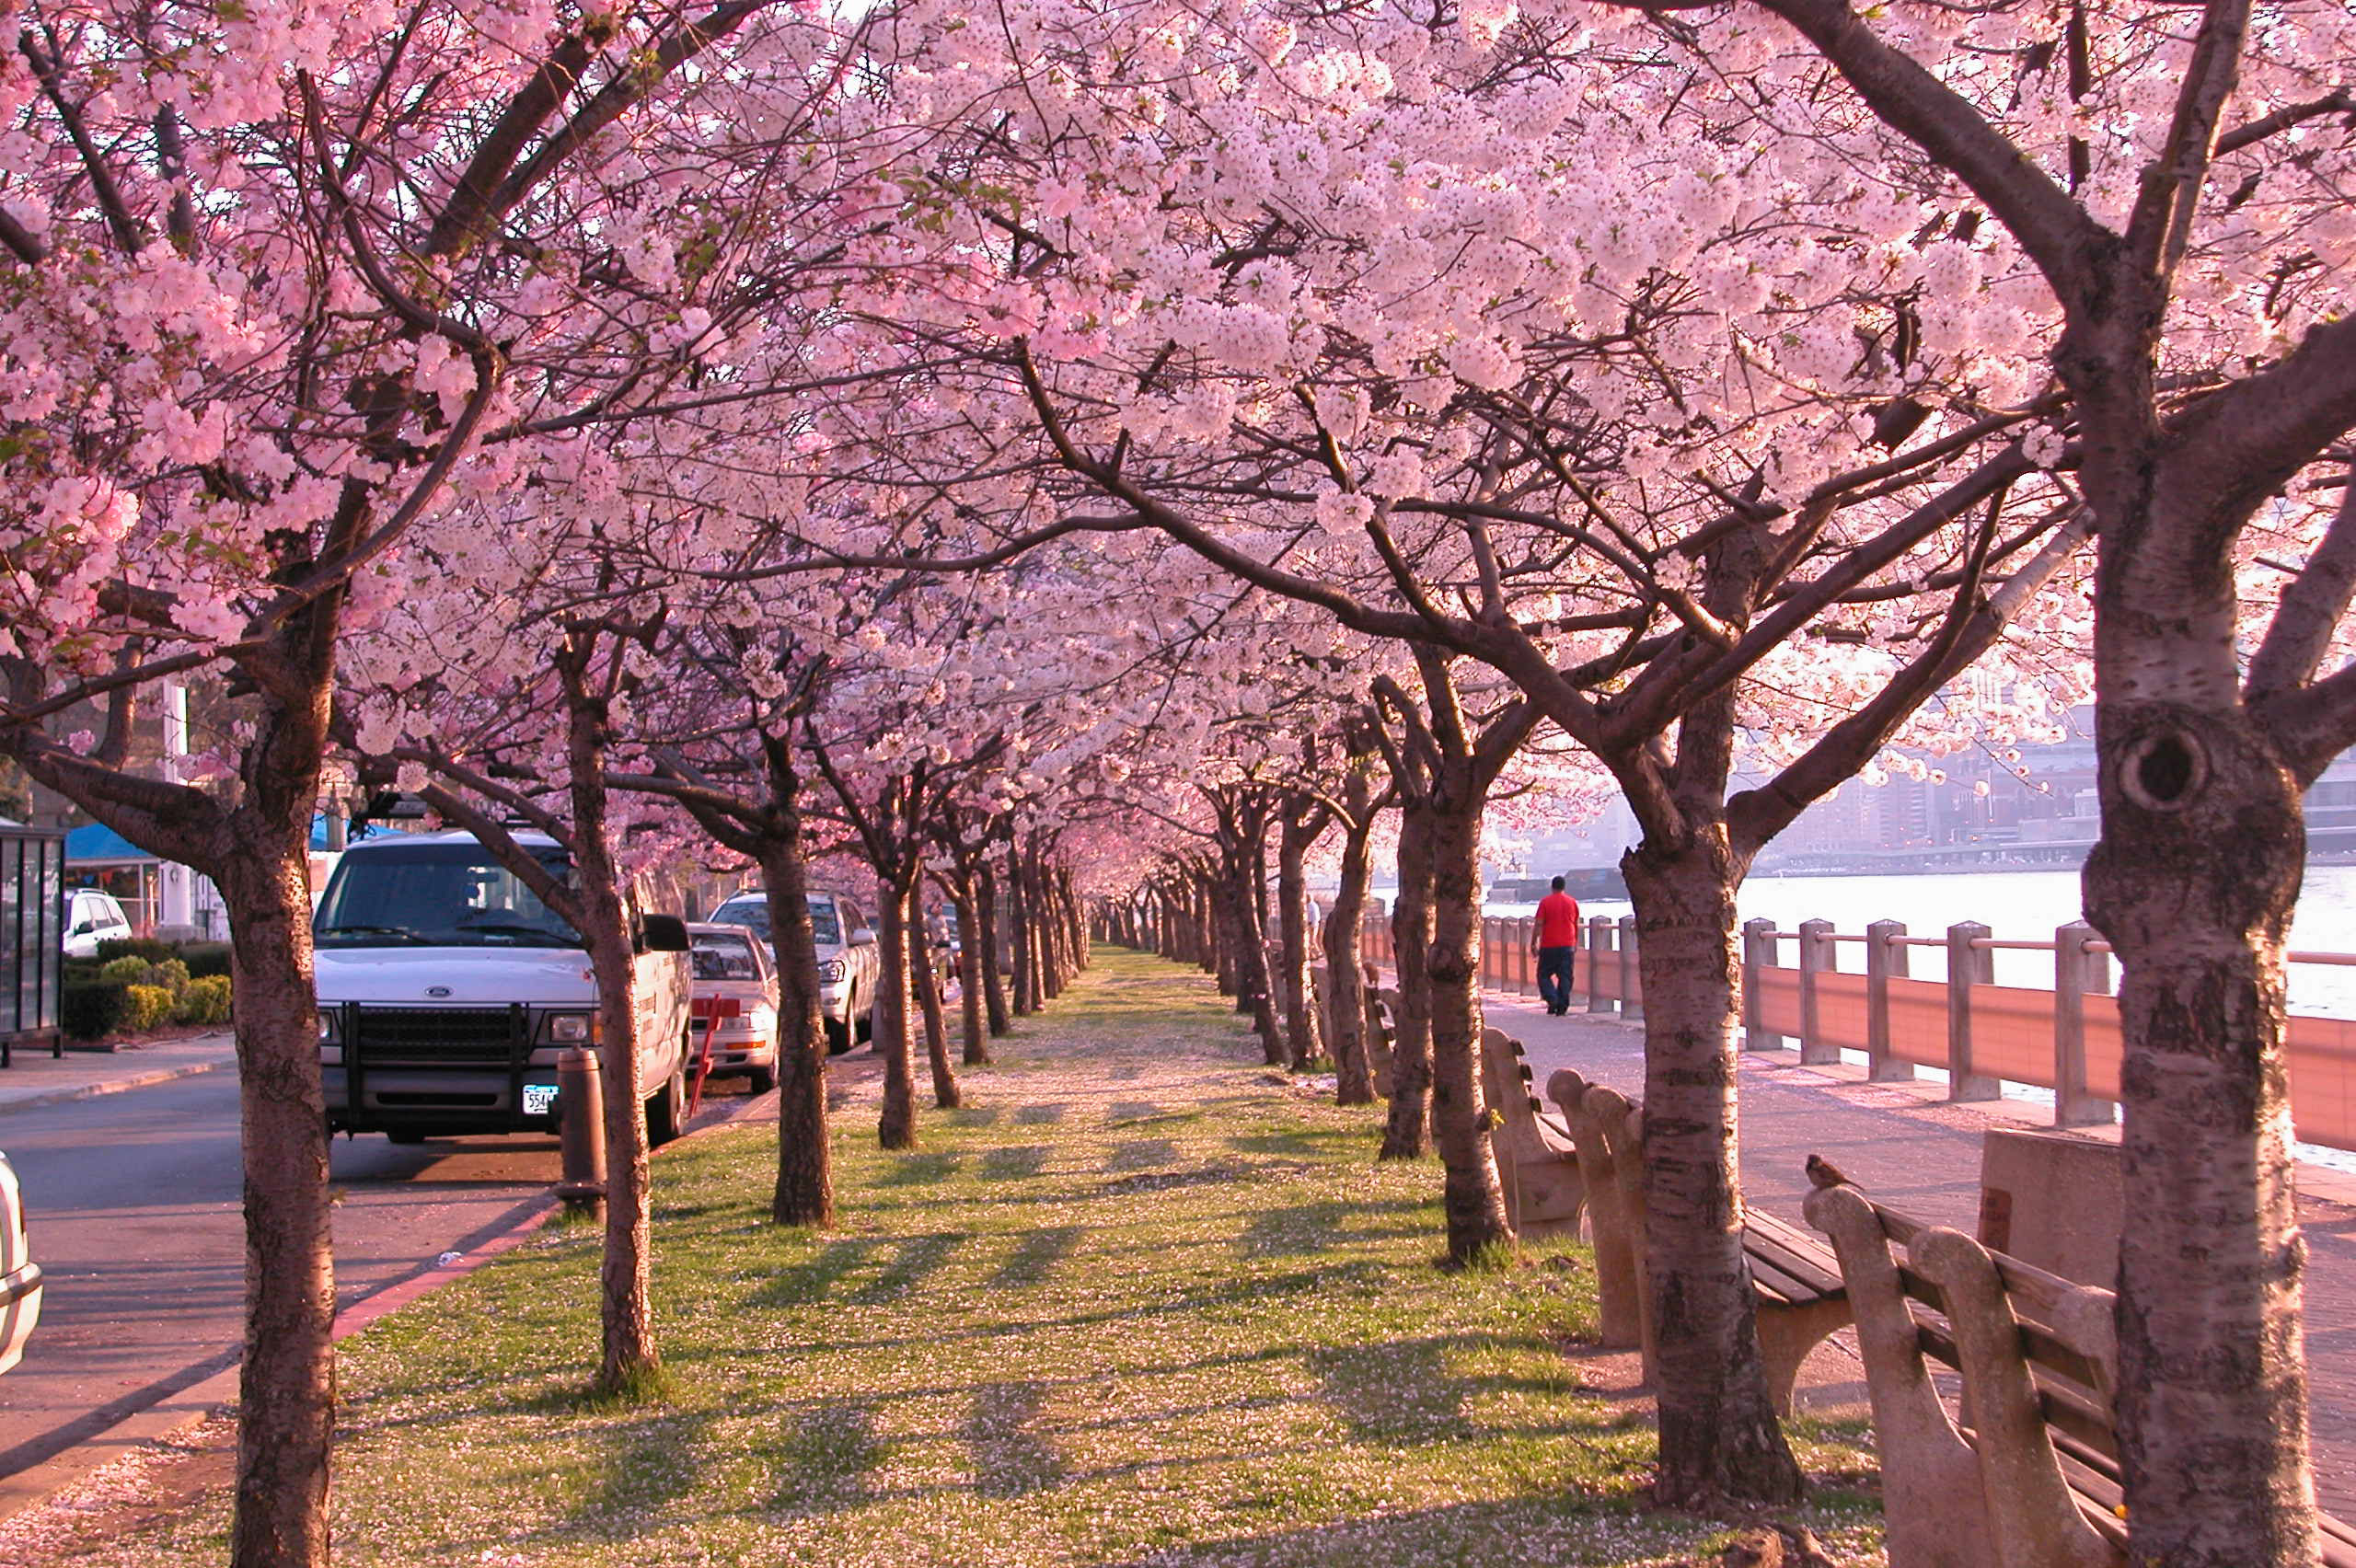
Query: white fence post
[1966, 966]
[1599, 950]
[1816, 958]
[1758, 953]
[1884, 958]
[1632, 1003]
[2073, 1106]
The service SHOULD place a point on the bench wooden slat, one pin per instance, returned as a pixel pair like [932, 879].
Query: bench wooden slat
[2070, 1381]
[1793, 1253]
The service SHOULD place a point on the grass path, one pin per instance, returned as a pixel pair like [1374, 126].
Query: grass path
[1142, 1303]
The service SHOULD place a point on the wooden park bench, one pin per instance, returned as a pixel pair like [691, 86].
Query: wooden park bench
[1537, 1158]
[1796, 1279]
[2032, 1479]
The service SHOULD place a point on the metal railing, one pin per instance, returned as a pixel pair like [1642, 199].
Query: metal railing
[2065, 1038]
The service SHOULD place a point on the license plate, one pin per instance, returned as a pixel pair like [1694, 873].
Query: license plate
[539, 1099]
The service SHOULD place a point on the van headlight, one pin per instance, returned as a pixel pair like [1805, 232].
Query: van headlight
[331, 1026]
[572, 1027]
[831, 971]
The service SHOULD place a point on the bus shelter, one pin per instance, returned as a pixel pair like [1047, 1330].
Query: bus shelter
[33, 939]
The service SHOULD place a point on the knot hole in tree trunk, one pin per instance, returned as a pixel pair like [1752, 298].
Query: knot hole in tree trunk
[2162, 771]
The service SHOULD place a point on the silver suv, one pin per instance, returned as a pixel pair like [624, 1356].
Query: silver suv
[847, 965]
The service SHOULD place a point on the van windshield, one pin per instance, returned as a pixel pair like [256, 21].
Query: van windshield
[438, 896]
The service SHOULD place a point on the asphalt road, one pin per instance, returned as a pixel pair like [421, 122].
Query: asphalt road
[131, 1206]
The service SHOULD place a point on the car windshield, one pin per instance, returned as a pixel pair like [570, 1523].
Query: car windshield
[438, 896]
[753, 915]
[724, 958]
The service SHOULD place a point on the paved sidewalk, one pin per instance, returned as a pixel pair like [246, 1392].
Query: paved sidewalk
[1905, 1145]
[35, 1077]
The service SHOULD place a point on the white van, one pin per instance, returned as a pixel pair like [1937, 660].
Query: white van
[92, 918]
[849, 968]
[447, 990]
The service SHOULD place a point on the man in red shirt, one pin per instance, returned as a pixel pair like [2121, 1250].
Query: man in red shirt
[1555, 935]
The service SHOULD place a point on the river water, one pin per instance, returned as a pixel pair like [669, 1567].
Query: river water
[2021, 905]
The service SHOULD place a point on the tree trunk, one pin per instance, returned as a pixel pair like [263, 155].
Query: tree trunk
[1207, 936]
[1407, 1135]
[1301, 1035]
[1719, 1438]
[969, 989]
[1345, 998]
[1252, 980]
[286, 1384]
[987, 968]
[627, 1358]
[805, 1182]
[1476, 1199]
[896, 1128]
[1018, 920]
[936, 1032]
[2193, 883]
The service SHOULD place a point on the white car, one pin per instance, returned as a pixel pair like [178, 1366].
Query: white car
[92, 918]
[19, 1275]
[736, 1005]
[447, 991]
[847, 964]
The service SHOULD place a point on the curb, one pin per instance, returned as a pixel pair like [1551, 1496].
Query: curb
[111, 1086]
[30, 1488]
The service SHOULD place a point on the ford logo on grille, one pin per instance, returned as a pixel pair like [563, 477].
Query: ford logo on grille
[437, 990]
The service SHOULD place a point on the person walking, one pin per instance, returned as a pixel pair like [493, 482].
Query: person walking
[1555, 936]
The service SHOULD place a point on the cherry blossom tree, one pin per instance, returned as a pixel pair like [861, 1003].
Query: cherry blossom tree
[275, 287]
[2170, 187]
[1481, 343]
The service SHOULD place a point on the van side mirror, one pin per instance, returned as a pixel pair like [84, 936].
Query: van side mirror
[862, 937]
[665, 933]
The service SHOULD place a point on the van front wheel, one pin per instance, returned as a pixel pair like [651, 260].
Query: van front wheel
[666, 1111]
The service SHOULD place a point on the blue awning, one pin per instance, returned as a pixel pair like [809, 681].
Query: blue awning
[96, 844]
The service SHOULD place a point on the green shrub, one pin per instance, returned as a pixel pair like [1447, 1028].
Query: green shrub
[205, 1000]
[132, 970]
[82, 971]
[92, 1010]
[146, 1008]
[205, 957]
[147, 948]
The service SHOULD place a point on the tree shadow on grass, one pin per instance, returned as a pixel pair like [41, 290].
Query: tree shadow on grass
[918, 1169]
[1132, 1110]
[814, 1279]
[1037, 1116]
[917, 1260]
[827, 1460]
[1013, 1162]
[1309, 1229]
[976, 1115]
[1010, 1458]
[1303, 1142]
[648, 1467]
[1034, 1255]
[1403, 1393]
[1141, 1154]
[1544, 1528]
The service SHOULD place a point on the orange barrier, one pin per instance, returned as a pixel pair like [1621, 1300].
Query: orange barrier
[2070, 1042]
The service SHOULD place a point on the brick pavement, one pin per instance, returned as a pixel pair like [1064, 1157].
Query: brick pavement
[1907, 1146]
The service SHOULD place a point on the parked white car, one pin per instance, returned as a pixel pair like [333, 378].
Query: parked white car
[92, 918]
[19, 1275]
[447, 990]
[847, 963]
[736, 1005]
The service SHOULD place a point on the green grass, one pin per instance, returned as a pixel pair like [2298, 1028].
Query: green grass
[1140, 1303]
